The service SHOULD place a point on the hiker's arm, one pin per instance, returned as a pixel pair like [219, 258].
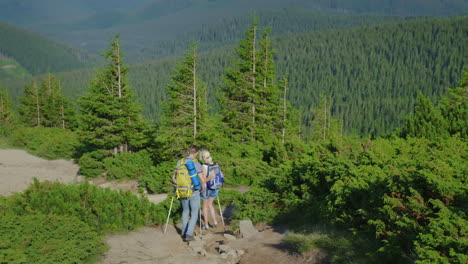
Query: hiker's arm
[201, 177]
[174, 176]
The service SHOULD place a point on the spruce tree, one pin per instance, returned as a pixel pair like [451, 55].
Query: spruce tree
[323, 125]
[30, 108]
[7, 116]
[251, 98]
[57, 111]
[426, 121]
[185, 111]
[268, 114]
[110, 116]
[454, 108]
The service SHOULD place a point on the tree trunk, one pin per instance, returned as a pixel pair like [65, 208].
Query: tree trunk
[324, 118]
[38, 108]
[63, 116]
[284, 110]
[194, 95]
[253, 75]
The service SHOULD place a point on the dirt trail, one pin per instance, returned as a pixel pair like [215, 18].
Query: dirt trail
[150, 244]
[18, 169]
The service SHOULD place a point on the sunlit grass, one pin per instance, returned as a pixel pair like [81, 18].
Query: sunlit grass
[340, 246]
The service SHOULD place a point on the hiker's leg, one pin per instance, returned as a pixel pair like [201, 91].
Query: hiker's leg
[185, 215]
[194, 201]
[212, 210]
[205, 212]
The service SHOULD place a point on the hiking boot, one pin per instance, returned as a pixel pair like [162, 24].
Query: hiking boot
[189, 238]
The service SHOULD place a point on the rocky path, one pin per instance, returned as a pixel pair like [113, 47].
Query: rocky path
[149, 244]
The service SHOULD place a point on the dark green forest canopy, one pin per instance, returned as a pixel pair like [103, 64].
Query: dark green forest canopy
[90, 24]
[372, 73]
[38, 54]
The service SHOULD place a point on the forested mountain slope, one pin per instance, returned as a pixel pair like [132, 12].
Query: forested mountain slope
[38, 54]
[143, 23]
[372, 73]
[229, 30]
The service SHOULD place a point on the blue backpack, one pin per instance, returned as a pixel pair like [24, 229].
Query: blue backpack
[218, 181]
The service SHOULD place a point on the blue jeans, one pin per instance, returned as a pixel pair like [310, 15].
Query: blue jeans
[190, 206]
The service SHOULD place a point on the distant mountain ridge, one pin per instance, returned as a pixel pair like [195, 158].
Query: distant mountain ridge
[38, 54]
[89, 24]
[372, 73]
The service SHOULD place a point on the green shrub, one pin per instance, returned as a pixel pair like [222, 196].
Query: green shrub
[408, 193]
[49, 143]
[91, 163]
[258, 204]
[101, 208]
[44, 239]
[159, 179]
[128, 165]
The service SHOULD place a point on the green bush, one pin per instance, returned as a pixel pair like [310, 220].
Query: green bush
[258, 204]
[159, 179]
[49, 143]
[101, 208]
[91, 163]
[128, 165]
[408, 193]
[48, 239]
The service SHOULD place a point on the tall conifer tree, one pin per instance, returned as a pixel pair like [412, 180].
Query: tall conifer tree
[252, 104]
[110, 116]
[57, 111]
[7, 115]
[426, 121]
[185, 111]
[30, 109]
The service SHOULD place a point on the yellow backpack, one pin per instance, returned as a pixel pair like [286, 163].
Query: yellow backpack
[183, 181]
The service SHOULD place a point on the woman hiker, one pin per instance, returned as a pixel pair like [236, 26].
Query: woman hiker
[210, 169]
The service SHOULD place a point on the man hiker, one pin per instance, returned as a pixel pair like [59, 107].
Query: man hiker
[190, 198]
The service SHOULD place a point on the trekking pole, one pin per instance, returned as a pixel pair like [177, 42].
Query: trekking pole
[167, 221]
[199, 220]
[220, 212]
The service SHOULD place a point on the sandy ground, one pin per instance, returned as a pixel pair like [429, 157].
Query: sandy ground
[18, 169]
[150, 244]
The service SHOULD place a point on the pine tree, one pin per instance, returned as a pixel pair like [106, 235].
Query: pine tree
[269, 108]
[426, 121]
[251, 97]
[7, 116]
[185, 112]
[30, 109]
[57, 110]
[323, 125]
[454, 108]
[110, 116]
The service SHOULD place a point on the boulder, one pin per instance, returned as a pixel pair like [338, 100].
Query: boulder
[229, 237]
[246, 229]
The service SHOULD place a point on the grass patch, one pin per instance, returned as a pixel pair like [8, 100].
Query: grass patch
[340, 246]
[5, 143]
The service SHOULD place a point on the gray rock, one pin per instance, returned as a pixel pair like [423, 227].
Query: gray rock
[229, 211]
[224, 248]
[224, 255]
[232, 253]
[247, 229]
[229, 237]
[80, 178]
[207, 236]
[240, 252]
[197, 246]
